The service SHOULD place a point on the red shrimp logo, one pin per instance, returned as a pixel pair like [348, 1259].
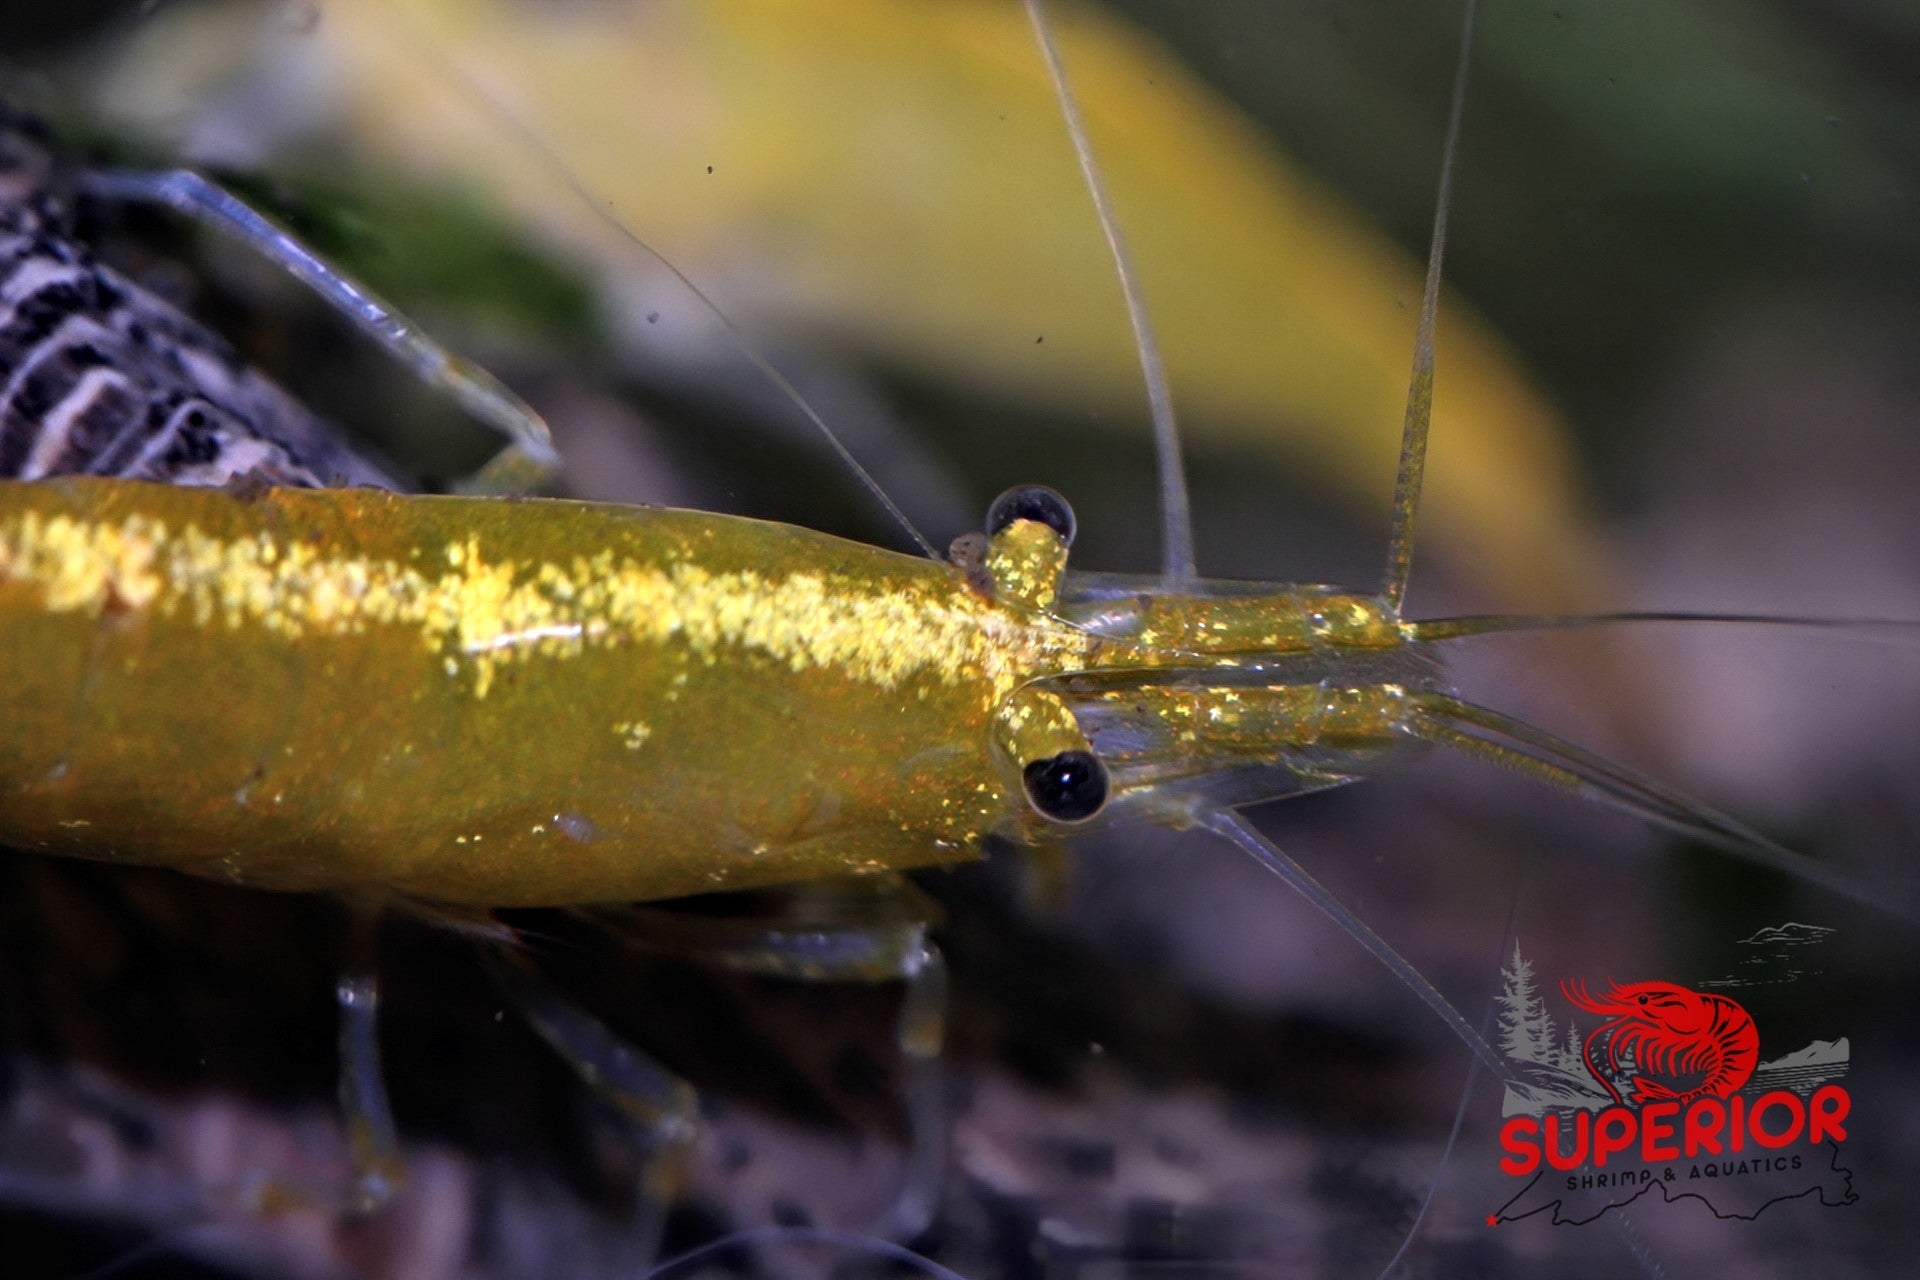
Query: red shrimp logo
[1708, 1041]
[1668, 1098]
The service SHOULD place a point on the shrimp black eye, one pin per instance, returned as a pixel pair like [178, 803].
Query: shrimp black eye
[1069, 787]
[1032, 502]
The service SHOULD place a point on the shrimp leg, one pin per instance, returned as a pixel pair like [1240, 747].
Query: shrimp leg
[529, 458]
[871, 930]
[661, 1109]
[371, 1135]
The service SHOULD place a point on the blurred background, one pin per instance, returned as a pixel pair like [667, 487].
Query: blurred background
[1677, 373]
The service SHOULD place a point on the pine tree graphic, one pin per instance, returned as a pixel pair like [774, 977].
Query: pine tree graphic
[1527, 1033]
[1571, 1056]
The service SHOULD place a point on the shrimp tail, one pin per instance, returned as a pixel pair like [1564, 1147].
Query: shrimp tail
[1645, 1090]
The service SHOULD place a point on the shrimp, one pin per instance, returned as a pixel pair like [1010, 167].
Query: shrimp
[1670, 1029]
[1163, 1211]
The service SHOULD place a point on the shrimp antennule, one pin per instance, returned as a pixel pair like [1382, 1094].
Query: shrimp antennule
[1513, 744]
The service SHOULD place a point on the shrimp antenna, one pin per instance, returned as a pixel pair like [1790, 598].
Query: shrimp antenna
[850, 1242]
[1893, 630]
[1235, 828]
[1513, 744]
[603, 211]
[1176, 506]
[1413, 431]
[1466, 1097]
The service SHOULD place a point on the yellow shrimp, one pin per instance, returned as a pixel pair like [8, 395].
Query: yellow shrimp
[117, 551]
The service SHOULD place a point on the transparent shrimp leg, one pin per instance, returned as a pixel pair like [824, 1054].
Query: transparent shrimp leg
[872, 930]
[875, 953]
[662, 1109]
[372, 1139]
[853, 933]
[529, 458]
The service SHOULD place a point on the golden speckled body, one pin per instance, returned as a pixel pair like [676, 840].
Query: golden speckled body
[323, 690]
[338, 689]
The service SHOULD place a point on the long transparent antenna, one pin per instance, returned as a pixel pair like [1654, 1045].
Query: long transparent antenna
[1901, 631]
[1234, 827]
[848, 1242]
[1513, 744]
[1176, 507]
[603, 212]
[1413, 431]
[1460, 1109]
[530, 455]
